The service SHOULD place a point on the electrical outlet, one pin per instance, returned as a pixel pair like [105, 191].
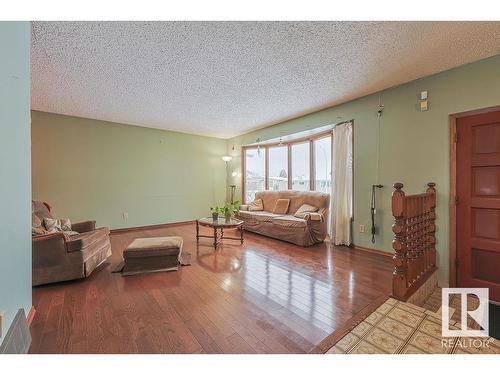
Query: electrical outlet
[2, 322]
[361, 228]
[125, 216]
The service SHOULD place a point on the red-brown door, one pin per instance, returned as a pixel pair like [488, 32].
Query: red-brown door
[478, 210]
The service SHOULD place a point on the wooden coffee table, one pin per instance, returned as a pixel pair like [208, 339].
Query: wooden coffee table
[218, 226]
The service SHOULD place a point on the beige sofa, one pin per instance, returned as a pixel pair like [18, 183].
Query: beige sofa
[303, 232]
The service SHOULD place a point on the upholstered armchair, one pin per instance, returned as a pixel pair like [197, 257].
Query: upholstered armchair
[62, 256]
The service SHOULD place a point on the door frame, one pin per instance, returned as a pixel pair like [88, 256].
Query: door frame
[453, 185]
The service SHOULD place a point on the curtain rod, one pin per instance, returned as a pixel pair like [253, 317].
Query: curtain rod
[343, 122]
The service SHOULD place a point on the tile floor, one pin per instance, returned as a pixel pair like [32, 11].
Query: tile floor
[402, 328]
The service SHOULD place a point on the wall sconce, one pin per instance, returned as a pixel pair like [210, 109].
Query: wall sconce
[234, 174]
[227, 158]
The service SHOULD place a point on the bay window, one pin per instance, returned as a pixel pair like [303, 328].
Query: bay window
[303, 164]
[323, 164]
[300, 166]
[278, 168]
[255, 172]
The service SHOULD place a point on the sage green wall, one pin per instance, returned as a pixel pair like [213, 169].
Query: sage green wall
[89, 169]
[15, 176]
[414, 146]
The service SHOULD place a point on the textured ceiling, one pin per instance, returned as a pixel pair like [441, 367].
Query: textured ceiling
[227, 78]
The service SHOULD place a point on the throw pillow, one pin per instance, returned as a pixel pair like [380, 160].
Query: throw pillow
[304, 210]
[56, 225]
[256, 205]
[66, 225]
[281, 206]
[35, 221]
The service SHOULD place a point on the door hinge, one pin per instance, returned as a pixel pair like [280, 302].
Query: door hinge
[456, 262]
[456, 137]
[456, 201]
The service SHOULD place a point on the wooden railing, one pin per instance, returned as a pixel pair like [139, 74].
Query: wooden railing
[414, 239]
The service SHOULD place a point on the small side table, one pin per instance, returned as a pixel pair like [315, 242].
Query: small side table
[218, 227]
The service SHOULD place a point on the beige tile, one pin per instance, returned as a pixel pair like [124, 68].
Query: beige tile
[477, 345]
[410, 349]
[494, 341]
[366, 348]
[385, 308]
[433, 317]
[415, 307]
[391, 301]
[335, 350]
[383, 340]
[347, 342]
[395, 328]
[431, 328]
[429, 344]
[411, 309]
[361, 328]
[405, 317]
[373, 318]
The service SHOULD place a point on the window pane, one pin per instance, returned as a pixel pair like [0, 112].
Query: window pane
[278, 168]
[323, 164]
[300, 166]
[255, 169]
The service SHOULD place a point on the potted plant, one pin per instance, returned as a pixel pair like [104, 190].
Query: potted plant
[215, 213]
[230, 209]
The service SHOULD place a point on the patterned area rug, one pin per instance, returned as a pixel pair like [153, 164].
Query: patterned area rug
[402, 328]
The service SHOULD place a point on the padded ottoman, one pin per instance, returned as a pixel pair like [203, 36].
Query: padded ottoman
[152, 255]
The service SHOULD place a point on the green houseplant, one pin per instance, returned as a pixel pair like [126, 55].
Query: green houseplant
[215, 212]
[230, 209]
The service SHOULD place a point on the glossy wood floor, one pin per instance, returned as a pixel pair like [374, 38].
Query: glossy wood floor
[266, 296]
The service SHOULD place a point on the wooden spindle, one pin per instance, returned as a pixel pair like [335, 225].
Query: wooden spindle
[414, 239]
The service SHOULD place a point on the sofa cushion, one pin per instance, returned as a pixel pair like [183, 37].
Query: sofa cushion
[263, 216]
[281, 206]
[303, 210]
[40, 209]
[260, 216]
[289, 221]
[35, 221]
[36, 225]
[256, 205]
[244, 214]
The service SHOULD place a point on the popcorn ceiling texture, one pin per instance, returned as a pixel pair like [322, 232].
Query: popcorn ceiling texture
[227, 78]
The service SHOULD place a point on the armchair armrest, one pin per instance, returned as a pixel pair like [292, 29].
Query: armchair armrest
[84, 226]
[244, 207]
[48, 249]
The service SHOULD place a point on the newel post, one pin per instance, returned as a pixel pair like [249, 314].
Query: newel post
[399, 275]
[431, 190]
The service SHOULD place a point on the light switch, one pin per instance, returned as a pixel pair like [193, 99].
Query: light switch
[423, 105]
[423, 95]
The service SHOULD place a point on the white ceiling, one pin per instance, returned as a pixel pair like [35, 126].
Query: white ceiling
[227, 78]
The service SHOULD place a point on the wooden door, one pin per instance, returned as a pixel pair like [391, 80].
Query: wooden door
[478, 204]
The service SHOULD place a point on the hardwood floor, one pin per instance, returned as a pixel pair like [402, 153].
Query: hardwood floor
[266, 296]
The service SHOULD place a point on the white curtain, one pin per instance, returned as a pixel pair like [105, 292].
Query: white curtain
[342, 178]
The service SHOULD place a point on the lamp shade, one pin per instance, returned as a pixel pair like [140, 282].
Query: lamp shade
[226, 158]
